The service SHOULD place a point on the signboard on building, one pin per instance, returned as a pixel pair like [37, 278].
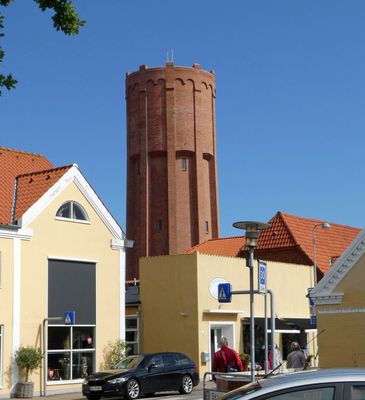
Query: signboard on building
[69, 317]
[262, 284]
[224, 292]
[312, 308]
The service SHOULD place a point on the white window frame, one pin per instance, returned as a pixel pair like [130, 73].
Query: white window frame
[80, 221]
[71, 350]
[136, 342]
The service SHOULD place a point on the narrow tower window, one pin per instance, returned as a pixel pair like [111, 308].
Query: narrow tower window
[206, 227]
[159, 225]
[184, 165]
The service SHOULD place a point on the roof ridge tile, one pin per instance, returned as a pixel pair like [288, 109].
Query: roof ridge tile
[44, 171]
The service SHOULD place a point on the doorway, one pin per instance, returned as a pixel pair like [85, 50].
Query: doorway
[217, 330]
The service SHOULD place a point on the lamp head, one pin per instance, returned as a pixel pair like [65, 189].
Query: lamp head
[326, 225]
[253, 229]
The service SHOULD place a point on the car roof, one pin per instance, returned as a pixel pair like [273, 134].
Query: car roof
[293, 379]
[340, 374]
[156, 354]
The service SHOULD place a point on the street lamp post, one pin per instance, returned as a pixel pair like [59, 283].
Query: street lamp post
[323, 225]
[252, 233]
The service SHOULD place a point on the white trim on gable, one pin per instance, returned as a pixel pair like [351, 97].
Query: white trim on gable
[24, 234]
[324, 293]
[73, 175]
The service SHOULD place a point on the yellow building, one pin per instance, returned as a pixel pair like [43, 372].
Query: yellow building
[172, 307]
[61, 270]
[180, 311]
[340, 306]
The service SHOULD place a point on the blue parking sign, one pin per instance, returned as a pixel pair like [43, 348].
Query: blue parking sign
[262, 277]
[224, 292]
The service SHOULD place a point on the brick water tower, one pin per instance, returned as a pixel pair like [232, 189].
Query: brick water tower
[172, 200]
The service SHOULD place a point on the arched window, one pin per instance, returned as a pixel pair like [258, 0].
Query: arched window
[72, 210]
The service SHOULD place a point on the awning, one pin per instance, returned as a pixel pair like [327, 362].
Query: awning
[300, 323]
[286, 324]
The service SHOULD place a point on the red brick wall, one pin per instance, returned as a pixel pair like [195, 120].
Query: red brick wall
[170, 118]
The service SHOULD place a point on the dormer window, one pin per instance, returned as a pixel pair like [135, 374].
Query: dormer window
[72, 210]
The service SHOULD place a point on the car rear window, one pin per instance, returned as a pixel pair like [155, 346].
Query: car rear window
[182, 360]
[170, 360]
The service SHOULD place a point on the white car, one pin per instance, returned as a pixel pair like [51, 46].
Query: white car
[331, 384]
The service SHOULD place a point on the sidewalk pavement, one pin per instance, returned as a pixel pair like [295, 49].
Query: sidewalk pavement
[79, 396]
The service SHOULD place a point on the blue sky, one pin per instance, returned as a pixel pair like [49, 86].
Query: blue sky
[290, 96]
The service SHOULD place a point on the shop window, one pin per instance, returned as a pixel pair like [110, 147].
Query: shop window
[131, 334]
[70, 352]
[72, 210]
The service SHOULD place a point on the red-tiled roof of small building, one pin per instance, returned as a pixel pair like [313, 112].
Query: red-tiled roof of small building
[289, 239]
[330, 243]
[24, 178]
[229, 247]
[30, 187]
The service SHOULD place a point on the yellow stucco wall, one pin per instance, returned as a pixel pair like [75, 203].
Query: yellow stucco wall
[169, 309]
[172, 285]
[54, 238]
[341, 343]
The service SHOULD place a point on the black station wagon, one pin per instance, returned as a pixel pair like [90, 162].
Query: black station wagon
[143, 374]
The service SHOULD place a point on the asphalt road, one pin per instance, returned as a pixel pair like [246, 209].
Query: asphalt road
[197, 394]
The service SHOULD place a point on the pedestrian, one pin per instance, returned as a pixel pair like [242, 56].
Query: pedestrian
[296, 358]
[278, 357]
[226, 359]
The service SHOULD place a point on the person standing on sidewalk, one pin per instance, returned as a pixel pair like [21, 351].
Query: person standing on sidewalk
[226, 359]
[296, 358]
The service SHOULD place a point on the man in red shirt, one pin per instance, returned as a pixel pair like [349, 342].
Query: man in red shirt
[226, 359]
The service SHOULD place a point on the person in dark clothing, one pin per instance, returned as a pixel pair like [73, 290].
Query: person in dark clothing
[226, 359]
[296, 358]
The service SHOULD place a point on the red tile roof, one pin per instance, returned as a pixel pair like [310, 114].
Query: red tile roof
[229, 247]
[290, 233]
[13, 163]
[24, 178]
[30, 187]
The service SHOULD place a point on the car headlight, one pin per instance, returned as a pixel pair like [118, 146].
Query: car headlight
[85, 382]
[117, 380]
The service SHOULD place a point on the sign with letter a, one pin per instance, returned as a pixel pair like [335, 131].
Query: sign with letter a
[224, 292]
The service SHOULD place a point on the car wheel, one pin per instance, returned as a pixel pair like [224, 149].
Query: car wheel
[133, 389]
[93, 397]
[186, 385]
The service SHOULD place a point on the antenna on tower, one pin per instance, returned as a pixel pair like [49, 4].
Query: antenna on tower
[170, 61]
